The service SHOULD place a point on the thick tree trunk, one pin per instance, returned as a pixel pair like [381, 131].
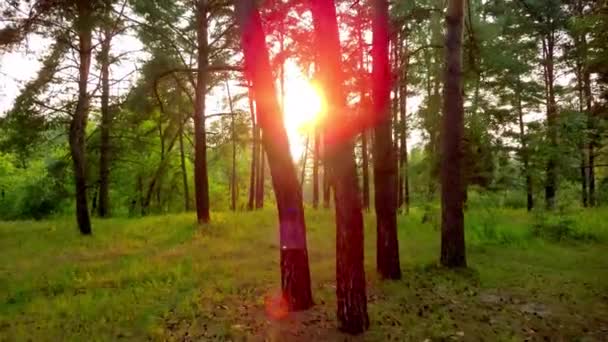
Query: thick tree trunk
[452, 190]
[79, 120]
[524, 150]
[315, 170]
[201, 181]
[295, 273]
[350, 273]
[106, 121]
[254, 153]
[385, 171]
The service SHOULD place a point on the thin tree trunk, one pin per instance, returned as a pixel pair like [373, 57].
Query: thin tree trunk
[182, 158]
[304, 159]
[551, 180]
[326, 186]
[452, 190]
[79, 120]
[364, 110]
[233, 181]
[260, 184]
[201, 180]
[106, 120]
[295, 273]
[581, 106]
[404, 189]
[254, 153]
[350, 273]
[385, 171]
[590, 124]
[365, 168]
[524, 150]
[315, 170]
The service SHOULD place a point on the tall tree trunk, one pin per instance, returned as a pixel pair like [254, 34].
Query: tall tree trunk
[394, 104]
[182, 159]
[79, 120]
[452, 190]
[524, 149]
[433, 89]
[254, 153]
[385, 171]
[590, 123]
[295, 273]
[326, 186]
[581, 109]
[363, 110]
[548, 59]
[365, 167]
[261, 181]
[350, 273]
[304, 159]
[233, 181]
[404, 188]
[315, 170]
[201, 181]
[106, 121]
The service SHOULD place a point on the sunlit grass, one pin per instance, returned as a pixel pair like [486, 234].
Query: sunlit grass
[163, 277]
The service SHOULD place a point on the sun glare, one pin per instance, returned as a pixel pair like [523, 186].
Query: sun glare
[303, 110]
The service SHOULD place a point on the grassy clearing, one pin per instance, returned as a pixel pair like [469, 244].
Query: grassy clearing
[161, 278]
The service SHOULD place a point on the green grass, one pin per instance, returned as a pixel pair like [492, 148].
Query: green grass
[162, 278]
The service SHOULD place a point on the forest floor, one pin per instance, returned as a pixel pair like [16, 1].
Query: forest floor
[159, 278]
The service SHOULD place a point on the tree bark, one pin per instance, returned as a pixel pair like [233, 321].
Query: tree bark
[261, 181]
[254, 153]
[452, 189]
[182, 157]
[304, 159]
[295, 273]
[364, 110]
[590, 123]
[404, 188]
[106, 121]
[201, 181]
[315, 170]
[524, 150]
[350, 272]
[233, 180]
[79, 120]
[551, 169]
[326, 186]
[385, 171]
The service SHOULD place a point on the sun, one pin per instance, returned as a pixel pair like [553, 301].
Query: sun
[303, 109]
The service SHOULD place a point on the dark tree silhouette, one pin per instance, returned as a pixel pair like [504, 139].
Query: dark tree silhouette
[201, 181]
[385, 166]
[350, 273]
[84, 27]
[452, 179]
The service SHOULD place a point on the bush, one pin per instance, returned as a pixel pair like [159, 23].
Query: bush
[36, 192]
[559, 227]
